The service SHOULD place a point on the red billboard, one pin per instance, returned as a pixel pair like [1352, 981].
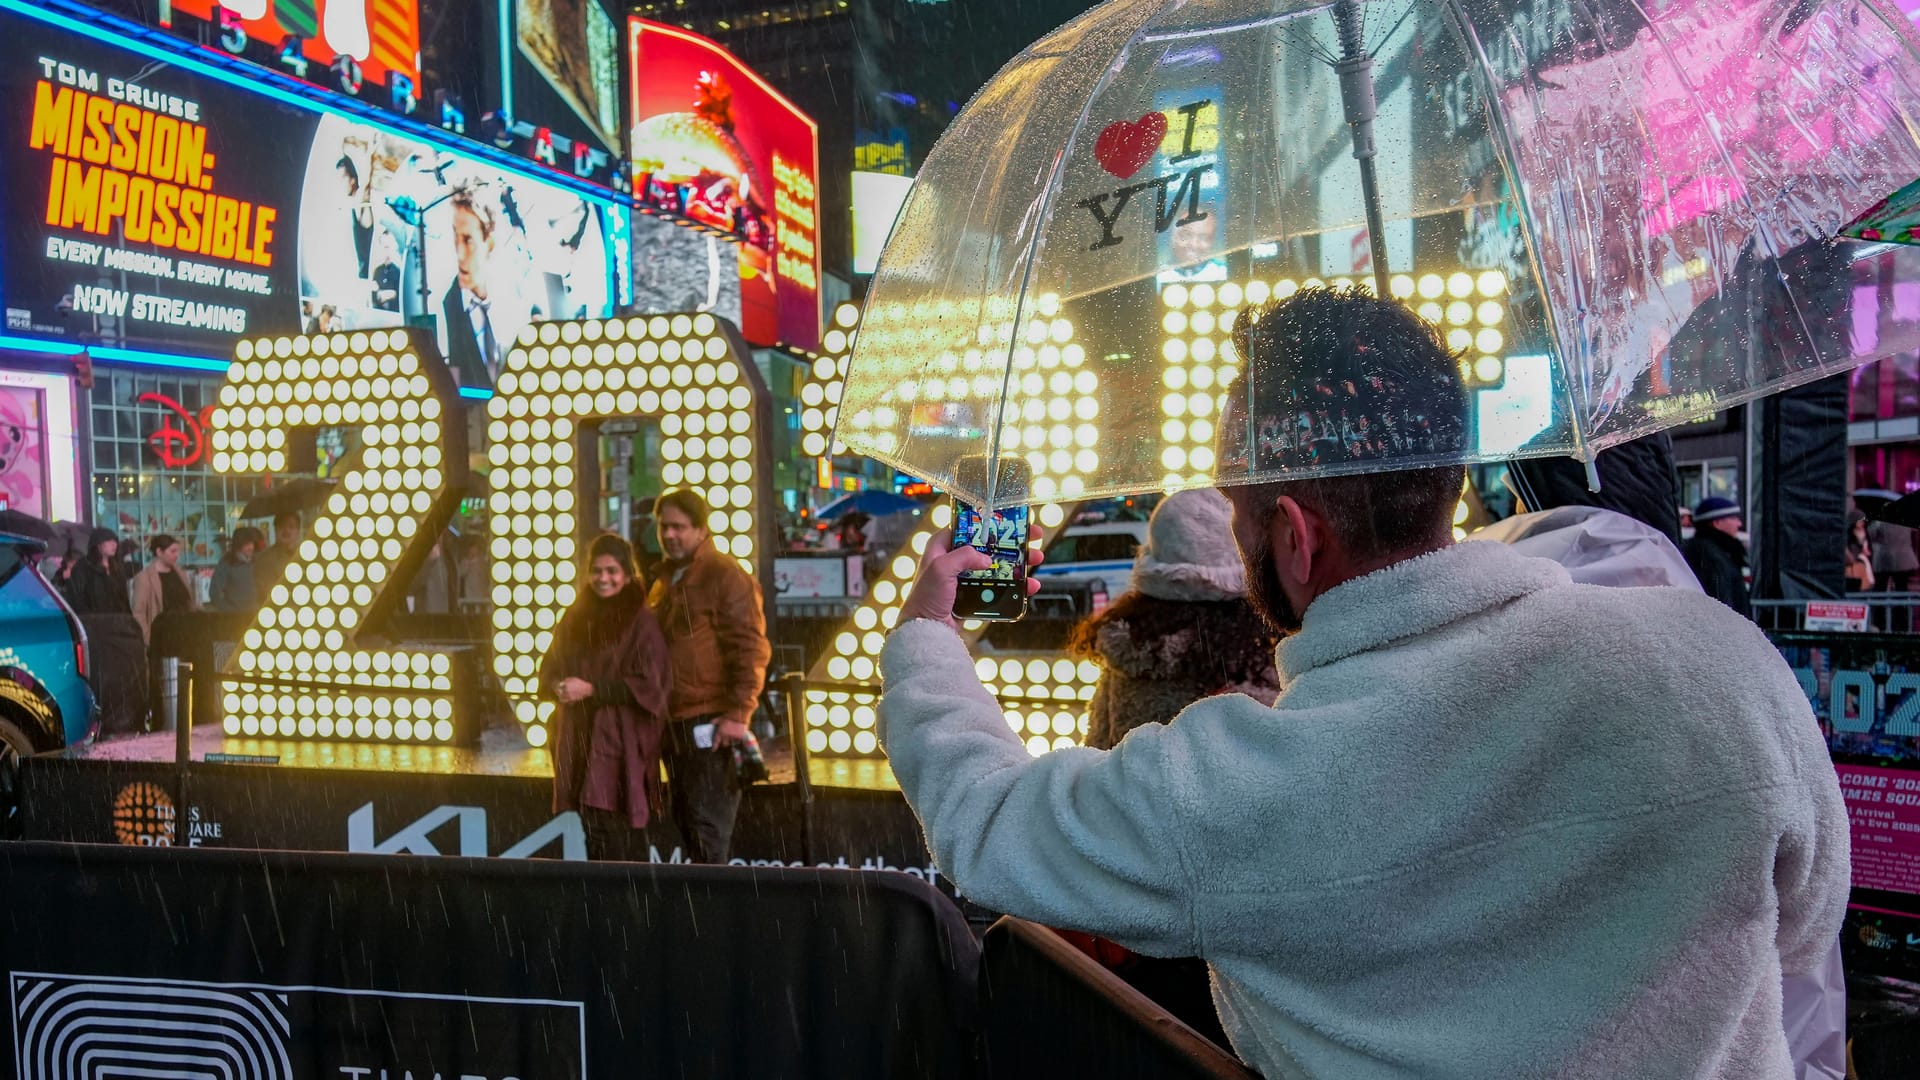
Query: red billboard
[381, 35]
[713, 143]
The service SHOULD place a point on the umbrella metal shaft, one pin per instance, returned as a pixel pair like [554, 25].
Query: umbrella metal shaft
[1357, 97]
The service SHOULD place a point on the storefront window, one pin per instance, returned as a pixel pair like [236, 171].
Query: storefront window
[152, 466]
[1895, 466]
[1699, 480]
[1863, 392]
[1886, 389]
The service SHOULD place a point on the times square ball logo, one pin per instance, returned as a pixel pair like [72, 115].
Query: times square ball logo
[143, 815]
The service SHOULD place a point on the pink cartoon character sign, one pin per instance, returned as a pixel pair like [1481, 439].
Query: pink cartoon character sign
[23, 465]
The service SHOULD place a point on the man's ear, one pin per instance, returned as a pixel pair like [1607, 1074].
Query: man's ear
[1297, 539]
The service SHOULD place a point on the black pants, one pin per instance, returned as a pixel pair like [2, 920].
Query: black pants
[611, 837]
[700, 792]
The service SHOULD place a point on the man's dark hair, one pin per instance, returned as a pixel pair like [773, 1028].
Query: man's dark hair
[1340, 381]
[288, 520]
[685, 500]
[161, 543]
[247, 534]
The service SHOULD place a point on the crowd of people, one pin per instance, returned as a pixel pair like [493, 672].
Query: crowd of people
[1881, 555]
[644, 673]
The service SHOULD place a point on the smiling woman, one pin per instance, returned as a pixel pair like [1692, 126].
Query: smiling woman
[609, 673]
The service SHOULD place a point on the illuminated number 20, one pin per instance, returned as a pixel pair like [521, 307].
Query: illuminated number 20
[692, 372]
[308, 666]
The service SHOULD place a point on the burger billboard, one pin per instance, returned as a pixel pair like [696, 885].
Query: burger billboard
[712, 143]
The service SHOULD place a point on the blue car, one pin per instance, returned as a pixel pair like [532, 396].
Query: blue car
[46, 702]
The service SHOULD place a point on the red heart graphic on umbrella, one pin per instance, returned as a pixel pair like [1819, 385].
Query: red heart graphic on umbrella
[1125, 145]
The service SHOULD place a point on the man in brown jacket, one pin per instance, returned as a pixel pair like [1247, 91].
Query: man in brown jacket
[716, 629]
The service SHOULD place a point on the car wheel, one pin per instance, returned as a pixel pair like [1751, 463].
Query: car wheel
[14, 745]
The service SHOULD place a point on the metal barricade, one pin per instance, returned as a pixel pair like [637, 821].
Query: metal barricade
[1887, 612]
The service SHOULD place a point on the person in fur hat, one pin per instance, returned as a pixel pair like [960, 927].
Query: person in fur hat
[1184, 631]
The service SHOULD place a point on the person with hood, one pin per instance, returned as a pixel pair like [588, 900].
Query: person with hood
[97, 590]
[96, 586]
[1183, 631]
[610, 673]
[1637, 478]
[1716, 554]
[232, 588]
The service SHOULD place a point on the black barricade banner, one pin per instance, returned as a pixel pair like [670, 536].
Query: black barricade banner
[137, 803]
[268, 965]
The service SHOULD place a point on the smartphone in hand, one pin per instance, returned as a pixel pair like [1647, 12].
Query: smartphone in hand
[998, 593]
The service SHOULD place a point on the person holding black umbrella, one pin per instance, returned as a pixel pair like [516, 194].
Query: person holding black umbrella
[232, 588]
[270, 566]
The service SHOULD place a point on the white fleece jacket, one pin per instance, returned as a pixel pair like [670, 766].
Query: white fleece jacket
[1497, 824]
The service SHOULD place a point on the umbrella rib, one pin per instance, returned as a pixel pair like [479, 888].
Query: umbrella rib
[1391, 30]
[1311, 47]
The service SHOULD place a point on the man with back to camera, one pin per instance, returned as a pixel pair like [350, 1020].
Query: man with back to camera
[1494, 825]
[711, 613]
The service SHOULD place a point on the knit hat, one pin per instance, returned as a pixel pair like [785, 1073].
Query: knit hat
[1190, 553]
[1713, 509]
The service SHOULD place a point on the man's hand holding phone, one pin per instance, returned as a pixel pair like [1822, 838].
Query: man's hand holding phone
[938, 582]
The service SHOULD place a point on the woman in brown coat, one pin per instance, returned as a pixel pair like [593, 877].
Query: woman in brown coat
[609, 671]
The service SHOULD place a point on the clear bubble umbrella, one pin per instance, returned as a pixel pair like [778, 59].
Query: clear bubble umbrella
[1619, 215]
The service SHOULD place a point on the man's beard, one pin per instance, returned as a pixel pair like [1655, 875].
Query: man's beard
[1264, 593]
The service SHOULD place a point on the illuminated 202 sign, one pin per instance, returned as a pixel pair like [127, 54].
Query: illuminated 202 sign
[310, 666]
[1052, 425]
[315, 663]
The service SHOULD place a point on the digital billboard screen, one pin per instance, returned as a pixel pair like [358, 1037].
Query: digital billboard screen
[573, 47]
[713, 143]
[167, 205]
[380, 35]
